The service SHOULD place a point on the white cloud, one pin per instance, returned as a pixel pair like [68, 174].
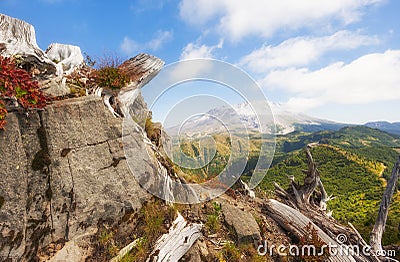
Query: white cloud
[301, 51]
[370, 78]
[196, 50]
[236, 19]
[130, 46]
[190, 69]
[161, 38]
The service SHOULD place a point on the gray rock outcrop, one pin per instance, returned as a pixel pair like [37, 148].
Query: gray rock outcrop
[64, 171]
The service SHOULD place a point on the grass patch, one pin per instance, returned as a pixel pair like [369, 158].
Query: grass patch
[152, 224]
[230, 253]
[213, 224]
[105, 236]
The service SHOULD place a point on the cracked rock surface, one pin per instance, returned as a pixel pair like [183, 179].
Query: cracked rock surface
[63, 170]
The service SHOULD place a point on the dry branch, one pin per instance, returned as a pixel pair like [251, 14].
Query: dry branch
[379, 228]
[309, 196]
[308, 203]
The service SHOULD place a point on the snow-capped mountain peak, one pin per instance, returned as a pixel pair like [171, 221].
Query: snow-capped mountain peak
[267, 117]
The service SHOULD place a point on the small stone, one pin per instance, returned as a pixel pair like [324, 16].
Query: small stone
[54, 87]
[243, 223]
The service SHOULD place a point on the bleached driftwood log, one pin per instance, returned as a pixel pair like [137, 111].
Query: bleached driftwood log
[174, 245]
[141, 69]
[295, 222]
[17, 37]
[379, 228]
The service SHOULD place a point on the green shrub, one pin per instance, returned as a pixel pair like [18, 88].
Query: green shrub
[151, 227]
[111, 77]
[105, 236]
[217, 207]
[149, 127]
[108, 73]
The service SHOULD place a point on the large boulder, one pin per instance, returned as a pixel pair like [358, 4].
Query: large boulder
[63, 172]
[18, 37]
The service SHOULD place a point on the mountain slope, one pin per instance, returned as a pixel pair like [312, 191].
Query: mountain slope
[393, 128]
[349, 137]
[369, 143]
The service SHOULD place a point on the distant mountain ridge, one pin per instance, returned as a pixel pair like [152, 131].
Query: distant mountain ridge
[393, 128]
[286, 121]
[347, 137]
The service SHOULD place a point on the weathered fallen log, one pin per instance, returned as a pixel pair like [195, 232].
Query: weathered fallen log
[174, 245]
[295, 222]
[247, 189]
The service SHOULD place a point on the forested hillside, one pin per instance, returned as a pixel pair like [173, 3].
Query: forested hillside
[355, 181]
[354, 163]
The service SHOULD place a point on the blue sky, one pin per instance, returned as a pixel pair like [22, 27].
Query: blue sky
[338, 60]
